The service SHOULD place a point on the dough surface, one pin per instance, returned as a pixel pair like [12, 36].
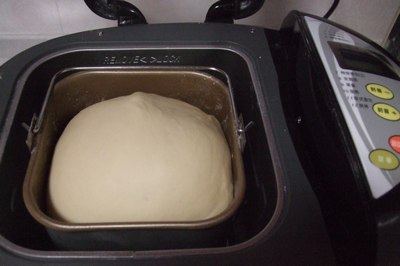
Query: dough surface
[140, 158]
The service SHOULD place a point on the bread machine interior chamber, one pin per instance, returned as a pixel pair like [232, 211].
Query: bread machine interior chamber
[88, 76]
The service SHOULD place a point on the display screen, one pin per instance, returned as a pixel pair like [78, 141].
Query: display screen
[358, 59]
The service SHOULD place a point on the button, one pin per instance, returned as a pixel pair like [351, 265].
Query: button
[386, 111]
[380, 91]
[394, 142]
[384, 159]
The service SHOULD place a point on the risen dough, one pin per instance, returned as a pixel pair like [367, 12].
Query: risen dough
[140, 157]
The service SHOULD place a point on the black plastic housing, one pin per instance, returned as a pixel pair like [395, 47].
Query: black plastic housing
[327, 152]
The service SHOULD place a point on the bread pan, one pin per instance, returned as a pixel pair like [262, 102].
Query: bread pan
[74, 89]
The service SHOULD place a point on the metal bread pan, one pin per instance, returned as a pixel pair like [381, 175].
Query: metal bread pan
[75, 89]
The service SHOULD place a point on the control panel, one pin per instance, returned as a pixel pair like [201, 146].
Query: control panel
[366, 84]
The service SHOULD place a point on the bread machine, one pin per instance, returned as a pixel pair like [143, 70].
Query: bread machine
[320, 183]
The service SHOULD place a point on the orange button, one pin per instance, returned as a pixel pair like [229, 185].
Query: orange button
[394, 142]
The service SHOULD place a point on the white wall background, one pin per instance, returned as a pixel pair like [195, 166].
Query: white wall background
[24, 23]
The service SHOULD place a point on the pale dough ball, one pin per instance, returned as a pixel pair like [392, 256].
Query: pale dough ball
[140, 157]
